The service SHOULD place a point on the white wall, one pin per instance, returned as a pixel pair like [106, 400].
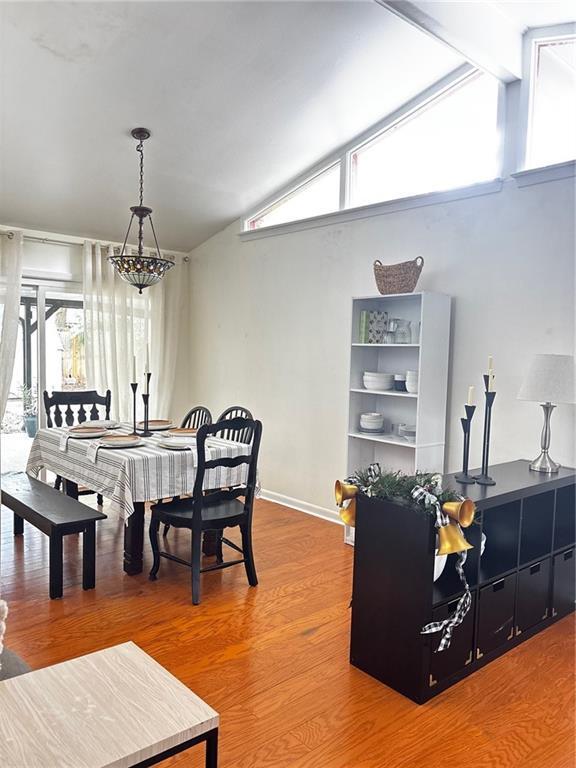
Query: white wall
[269, 323]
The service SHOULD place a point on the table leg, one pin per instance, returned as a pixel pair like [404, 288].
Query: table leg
[212, 749]
[18, 525]
[71, 489]
[55, 574]
[89, 556]
[134, 540]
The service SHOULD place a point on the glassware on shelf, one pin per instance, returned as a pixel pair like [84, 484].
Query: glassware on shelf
[402, 333]
[414, 332]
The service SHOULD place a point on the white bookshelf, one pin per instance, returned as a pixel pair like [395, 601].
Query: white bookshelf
[426, 408]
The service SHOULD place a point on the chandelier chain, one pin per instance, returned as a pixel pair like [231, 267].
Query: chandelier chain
[140, 149]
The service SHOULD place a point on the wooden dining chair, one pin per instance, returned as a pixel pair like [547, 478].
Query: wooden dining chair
[196, 417]
[62, 402]
[234, 412]
[214, 511]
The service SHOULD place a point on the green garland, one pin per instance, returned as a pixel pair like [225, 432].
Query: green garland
[398, 486]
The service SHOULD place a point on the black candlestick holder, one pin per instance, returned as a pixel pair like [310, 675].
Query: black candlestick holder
[145, 432]
[146, 398]
[134, 386]
[484, 478]
[463, 477]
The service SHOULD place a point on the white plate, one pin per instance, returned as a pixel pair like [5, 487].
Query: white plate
[176, 444]
[187, 433]
[87, 434]
[156, 425]
[105, 424]
[121, 441]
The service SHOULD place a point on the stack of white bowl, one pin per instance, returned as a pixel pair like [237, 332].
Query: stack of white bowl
[381, 381]
[412, 381]
[371, 422]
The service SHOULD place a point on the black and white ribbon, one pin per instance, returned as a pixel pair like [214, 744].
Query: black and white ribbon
[446, 626]
[373, 472]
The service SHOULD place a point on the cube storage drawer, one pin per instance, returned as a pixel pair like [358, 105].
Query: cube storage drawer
[533, 600]
[495, 615]
[522, 583]
[564, 578]
[461, 650]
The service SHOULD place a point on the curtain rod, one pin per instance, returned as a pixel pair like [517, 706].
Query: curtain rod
[31, 238]
[51, 241]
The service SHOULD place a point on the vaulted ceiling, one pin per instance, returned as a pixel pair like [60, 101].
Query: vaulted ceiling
[240, 98]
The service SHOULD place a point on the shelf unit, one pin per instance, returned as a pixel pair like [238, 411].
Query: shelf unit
[522, 583]
[426, 409]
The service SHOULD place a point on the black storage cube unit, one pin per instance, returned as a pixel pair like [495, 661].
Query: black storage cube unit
[565, 521]
[495, 615]
[522, 573]
[533, 600]
[392, 592]
[536, 527]
[461, 651]
[563, 589]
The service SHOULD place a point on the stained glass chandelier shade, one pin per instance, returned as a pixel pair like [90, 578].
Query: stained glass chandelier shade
[138, 268]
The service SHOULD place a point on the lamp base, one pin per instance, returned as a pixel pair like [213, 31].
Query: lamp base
[544, 464]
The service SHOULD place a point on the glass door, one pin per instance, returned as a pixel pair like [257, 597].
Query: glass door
[49, 356]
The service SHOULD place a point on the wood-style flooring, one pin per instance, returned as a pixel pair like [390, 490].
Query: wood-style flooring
[274, 660]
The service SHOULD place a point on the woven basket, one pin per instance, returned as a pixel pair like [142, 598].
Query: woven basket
[398, 278]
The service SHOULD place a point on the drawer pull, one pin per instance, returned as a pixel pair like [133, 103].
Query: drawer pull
[479, 653]
[518, 632]
[431, 681]
[554, 612]
[535, 568]
[511, 635]
[498, 585]
[469, 659]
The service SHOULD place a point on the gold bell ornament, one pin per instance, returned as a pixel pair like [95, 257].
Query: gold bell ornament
[346, 492]
[450, 537]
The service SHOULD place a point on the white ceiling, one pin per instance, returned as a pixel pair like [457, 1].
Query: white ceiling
[538, 13]
[240, 97]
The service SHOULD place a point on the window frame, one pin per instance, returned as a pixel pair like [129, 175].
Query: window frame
[296, 186]
[532, 39]
[343, 156]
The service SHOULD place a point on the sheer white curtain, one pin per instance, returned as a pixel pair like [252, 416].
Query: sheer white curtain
[120, 324]
[168, 338]
[10, 282]
[116, 325]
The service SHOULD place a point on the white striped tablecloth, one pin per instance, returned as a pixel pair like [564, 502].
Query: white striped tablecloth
[130, 475]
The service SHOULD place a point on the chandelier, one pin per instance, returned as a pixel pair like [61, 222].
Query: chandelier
[139, 269]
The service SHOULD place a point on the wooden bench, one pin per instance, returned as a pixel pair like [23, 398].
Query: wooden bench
[56, 515]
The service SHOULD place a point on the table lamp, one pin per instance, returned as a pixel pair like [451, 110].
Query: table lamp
[549, 381]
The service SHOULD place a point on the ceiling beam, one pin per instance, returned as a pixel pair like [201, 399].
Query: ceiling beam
[479, 31]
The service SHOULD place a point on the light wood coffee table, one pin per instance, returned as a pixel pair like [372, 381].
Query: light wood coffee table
[110, 709]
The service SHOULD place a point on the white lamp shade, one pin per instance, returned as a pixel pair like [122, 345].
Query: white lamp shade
[549, 379]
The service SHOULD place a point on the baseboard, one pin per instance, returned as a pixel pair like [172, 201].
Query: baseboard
[302, 506]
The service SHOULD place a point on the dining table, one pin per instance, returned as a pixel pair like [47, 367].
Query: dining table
[131, 477]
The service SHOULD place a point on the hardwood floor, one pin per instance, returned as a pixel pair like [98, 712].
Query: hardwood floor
[274, 660]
